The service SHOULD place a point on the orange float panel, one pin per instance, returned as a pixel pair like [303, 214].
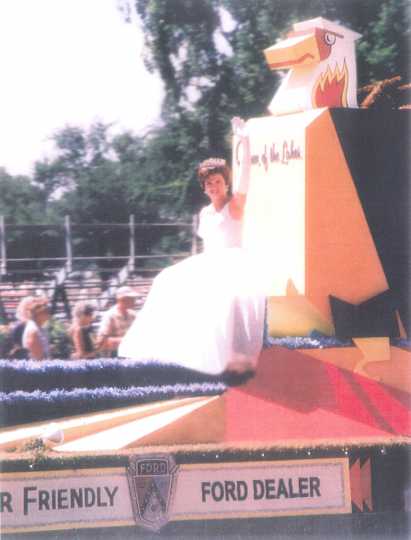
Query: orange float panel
[80, 426]
[395, 372]
[296, 396]
[274, 221]
[374, 349]
[295, 316]
[304, 216]
[178, 425]
[341, 258]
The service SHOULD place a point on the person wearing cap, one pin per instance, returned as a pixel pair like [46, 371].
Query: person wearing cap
[35, 339]
[207, 312]
[117, 320]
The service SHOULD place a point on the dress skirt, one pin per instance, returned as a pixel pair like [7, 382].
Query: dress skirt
[204, 313]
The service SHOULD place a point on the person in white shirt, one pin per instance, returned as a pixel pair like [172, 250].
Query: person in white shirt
[205, 313]
[117, 320]
[35, 338]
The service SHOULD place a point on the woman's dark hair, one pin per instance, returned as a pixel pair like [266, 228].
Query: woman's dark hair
[213, 166]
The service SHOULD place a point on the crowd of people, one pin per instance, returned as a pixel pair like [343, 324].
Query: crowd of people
[28, 337]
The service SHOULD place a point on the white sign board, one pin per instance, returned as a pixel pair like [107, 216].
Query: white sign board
[152, 491]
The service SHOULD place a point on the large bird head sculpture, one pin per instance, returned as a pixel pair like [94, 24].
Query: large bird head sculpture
[320, 55]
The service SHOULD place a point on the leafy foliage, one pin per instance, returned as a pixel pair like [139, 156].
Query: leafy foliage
[60, 342]
[20, 201]
[209, 56]
[99, 178]
[23, 203]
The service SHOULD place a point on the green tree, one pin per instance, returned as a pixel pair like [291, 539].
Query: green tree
[384, 49]
[97, 178]
[23, 203]
[209, 55]
[84, 180]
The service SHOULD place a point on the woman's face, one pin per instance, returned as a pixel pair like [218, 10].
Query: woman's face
[215, 187]
[42, 315]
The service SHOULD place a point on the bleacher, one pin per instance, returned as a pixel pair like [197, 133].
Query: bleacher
[68, 279]
[78, 287]
[12, 292]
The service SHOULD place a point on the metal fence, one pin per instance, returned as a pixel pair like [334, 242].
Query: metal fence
[69, 278]
[68, 260]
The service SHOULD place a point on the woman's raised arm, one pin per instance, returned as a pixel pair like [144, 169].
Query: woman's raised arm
[241, 168]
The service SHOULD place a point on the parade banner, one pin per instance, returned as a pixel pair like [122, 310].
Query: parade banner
[278, 184]
[153, 490]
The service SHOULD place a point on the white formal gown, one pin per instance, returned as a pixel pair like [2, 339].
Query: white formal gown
[205, 312]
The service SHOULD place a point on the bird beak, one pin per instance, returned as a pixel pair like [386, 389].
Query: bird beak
[293, 51]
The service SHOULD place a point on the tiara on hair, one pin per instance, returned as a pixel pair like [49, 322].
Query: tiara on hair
[210, 164]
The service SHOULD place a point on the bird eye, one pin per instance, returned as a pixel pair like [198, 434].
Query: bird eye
[329, 38]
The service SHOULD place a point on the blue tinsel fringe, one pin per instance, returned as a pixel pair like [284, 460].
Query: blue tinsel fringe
[18, 407]
[30, 375]
[31, 391]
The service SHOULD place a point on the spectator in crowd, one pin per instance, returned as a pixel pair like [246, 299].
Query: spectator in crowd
[35, 338]
[81, 331]
[117, 320]
[23, 308]
[16, 349]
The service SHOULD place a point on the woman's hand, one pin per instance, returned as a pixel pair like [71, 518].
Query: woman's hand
[238, 127]
[241, 167]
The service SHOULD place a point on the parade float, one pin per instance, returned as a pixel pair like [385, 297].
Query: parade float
[322, 428]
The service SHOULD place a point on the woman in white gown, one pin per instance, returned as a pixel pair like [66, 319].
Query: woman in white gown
[205, 312]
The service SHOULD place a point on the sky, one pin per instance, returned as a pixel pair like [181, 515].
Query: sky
[68, 62]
